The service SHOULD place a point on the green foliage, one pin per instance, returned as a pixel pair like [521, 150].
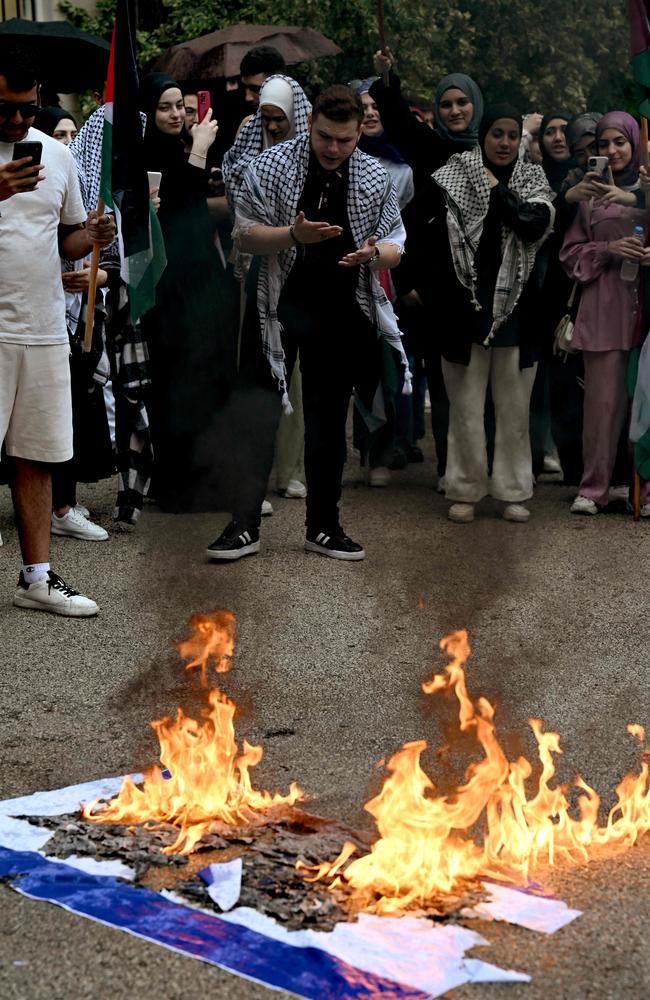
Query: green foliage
[559, 53]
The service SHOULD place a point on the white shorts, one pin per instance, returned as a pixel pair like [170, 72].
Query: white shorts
[35, 401]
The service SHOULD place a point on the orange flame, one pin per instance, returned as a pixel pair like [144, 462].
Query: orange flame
[424, 847]
[213, 637]
[205, 780]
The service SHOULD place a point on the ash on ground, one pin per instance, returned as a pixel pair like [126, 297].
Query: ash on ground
[271, 884]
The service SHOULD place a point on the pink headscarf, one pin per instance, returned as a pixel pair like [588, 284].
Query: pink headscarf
[628, 126]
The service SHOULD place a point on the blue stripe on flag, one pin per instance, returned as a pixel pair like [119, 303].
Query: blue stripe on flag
[307, 972]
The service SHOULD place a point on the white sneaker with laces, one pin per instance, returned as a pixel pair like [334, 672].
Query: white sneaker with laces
[516, 512]
[461, 513]
[267, 508]
[75, 525]
[583, 505]
[52, 594]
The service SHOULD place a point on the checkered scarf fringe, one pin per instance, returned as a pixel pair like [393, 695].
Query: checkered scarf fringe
[465, 184]
[269, 195]
[125, 342]
[131, 379]
[250, 141]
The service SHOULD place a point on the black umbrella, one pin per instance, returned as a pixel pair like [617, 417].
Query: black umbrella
[70, 60]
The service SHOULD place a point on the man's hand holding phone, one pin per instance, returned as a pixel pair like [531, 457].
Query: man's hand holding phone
[19, 176]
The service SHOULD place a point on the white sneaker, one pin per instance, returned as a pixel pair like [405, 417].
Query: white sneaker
[267, 508]
[295, 490]
[380, 476]
[52, 594]
[583, 505]
[461, 513]
[552, 464]
[75, 525]
[80, 509]
[516, 512]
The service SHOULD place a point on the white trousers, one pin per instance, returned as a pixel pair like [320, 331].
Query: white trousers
[466, 476]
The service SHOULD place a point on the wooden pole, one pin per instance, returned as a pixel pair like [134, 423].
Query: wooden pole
[381, 24]
[92, 290]
[645, 158]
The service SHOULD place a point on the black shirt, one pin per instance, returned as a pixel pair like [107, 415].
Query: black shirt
[316, 272]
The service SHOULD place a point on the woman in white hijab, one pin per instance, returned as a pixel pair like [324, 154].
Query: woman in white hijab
[283, 113]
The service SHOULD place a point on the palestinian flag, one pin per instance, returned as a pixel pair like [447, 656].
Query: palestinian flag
[640, 46]
[124, 184]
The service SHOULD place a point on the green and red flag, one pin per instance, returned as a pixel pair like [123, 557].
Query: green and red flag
[640, 46]
[124, 184]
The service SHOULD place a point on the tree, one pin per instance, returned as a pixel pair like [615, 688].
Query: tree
[536, 55]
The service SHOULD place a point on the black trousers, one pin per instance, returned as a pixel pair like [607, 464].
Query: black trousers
[338, 351]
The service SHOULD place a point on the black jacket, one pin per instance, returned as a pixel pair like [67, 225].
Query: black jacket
[428, 268]
[422, 147]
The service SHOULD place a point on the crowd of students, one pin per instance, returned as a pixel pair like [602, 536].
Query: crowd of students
[353, 248]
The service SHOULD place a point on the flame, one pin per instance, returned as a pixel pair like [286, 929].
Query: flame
[213, 636]
[426, 846]
[205, 779]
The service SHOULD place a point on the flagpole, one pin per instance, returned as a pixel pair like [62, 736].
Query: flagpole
[92, 289]
[382, 35]
[645, 159]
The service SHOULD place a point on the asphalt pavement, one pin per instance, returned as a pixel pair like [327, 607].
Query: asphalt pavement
[331, 655]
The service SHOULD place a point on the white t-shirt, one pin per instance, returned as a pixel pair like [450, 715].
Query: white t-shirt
[32, 304]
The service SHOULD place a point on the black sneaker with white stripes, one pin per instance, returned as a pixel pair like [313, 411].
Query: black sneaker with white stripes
[336, 546]
[233, 543]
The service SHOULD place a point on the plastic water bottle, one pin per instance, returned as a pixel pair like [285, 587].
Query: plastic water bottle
[630, 268]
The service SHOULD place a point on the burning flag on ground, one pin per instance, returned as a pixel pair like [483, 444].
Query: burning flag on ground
[205, 780]
[124, 185]
[363, 930]
[494, 825]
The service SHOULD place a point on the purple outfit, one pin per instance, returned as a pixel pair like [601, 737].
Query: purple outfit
[606, 321]
[606, 317]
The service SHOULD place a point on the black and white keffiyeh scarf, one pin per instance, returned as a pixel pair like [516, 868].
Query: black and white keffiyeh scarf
[269, 196]
[125, 342]
[250, 141]
[465, 184]
[86, 149]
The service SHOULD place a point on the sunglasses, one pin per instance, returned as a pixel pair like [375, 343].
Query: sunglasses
[8, 109]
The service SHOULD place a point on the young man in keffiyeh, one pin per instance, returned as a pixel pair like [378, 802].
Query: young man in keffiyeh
[323, 218]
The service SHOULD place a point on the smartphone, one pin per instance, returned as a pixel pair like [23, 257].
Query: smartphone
[33, 149]
[204, 103]
[155, 177]
[599, 165]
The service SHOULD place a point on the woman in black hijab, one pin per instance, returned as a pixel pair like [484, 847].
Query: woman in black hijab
[495, 213]
[58, 123]
[553, 404]
[191, 332]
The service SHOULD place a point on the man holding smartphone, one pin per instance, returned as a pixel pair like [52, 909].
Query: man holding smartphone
[41, 219]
